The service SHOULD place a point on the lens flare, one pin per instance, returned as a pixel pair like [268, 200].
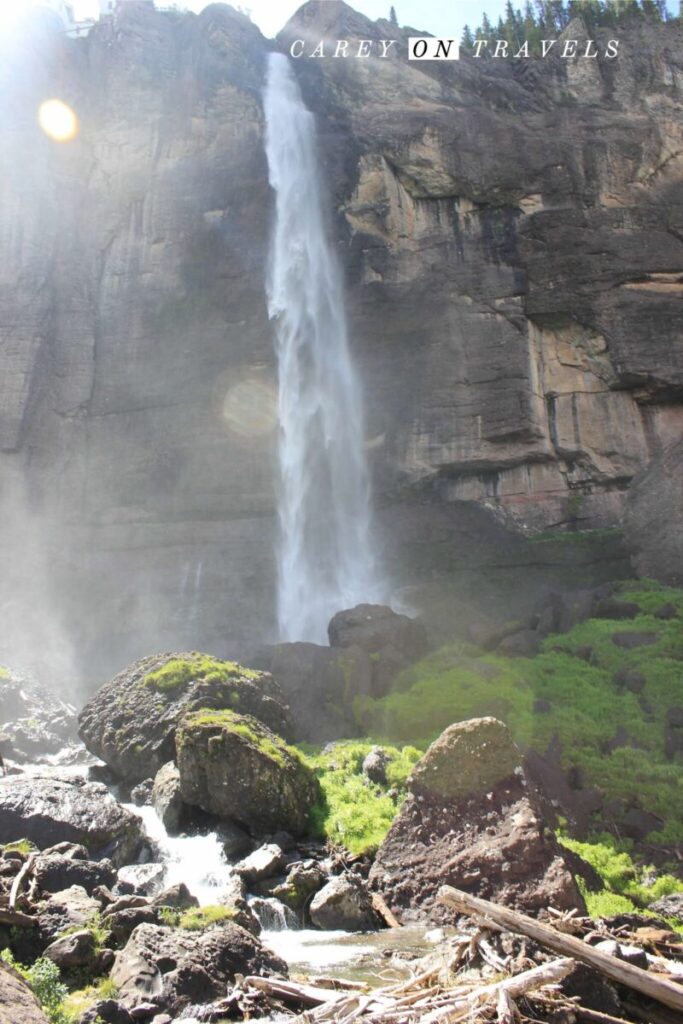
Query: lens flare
[58, 120]
[250, 408]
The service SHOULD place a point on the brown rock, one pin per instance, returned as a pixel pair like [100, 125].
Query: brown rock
[471, 820]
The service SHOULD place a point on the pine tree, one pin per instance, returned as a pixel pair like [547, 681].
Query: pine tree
[467, 39]
[392, 16]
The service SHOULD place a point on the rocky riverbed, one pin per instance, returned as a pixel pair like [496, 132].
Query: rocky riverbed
[189, 840]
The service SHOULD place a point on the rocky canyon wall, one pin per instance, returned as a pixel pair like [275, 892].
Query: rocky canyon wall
[512, 238]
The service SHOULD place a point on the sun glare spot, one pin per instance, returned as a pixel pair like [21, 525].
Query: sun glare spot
[58, 120]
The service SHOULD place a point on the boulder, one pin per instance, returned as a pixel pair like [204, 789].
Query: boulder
[18, 1005]
[302, 882]
[74, 950]
[146, 879]
[263, 863]
[471, 820]
[71, 908]
[131, 721]
[177, 896]
[54, 872]
[47, 810]
[344, 904]
[166, 799]
[375, 765]
[669, 906]
[375, 627]
[175, 967]
[630, 641]
[234, 767]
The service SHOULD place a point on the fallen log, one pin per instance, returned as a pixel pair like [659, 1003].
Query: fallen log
[16, 919]
[666, 992]
[20, 879]
[380, 907]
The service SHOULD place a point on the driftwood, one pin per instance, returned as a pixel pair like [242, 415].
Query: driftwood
[380, 907]
[20, 880]
[666, 992]
[418, 998]
[16, 919]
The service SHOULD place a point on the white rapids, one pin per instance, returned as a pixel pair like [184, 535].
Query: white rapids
[325, 557]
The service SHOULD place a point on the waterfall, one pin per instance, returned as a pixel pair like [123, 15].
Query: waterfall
[325, 559]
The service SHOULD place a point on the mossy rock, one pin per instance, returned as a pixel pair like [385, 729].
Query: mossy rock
[234, 767]
[468, 758]
[131, 722]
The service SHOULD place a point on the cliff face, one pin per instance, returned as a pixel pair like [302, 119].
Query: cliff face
[513, 247]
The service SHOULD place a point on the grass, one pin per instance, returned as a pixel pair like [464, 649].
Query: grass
[197, 919]
[95, 926]
[179, 672]
[558, 695]
[354, 812]
[76, 1003]
[627, 886]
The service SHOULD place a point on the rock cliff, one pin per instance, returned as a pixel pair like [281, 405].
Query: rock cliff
[512, 240]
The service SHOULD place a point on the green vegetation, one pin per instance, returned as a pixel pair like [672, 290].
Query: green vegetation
[97, 928]
[77, 1002]
[547, 18]
[44, 978]
[178, 672]
[353, 811]
[627, 886]
[24, 846]
[267, 742]
[567, 693]
[4, 673]
[196, 919]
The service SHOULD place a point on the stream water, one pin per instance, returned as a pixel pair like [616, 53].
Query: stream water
[325, 556]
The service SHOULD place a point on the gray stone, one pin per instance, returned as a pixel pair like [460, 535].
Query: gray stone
[263, 863]
[165, 797]
[344, 903]
[74, 950]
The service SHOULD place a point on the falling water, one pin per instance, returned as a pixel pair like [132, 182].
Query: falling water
[325, 560]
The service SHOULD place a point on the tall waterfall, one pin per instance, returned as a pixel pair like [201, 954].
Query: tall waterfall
[325, 560]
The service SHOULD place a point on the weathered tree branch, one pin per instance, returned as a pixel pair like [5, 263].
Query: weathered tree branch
[666, 992]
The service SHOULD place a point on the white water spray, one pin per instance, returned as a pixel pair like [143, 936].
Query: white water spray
[325, 559]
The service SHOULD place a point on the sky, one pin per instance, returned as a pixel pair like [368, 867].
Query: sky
[445, 18]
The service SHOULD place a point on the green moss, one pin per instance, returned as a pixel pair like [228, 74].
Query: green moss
[197, 919]
[178, 672]
[354, 812]
[267, 742]
[560, 696]
[24, 846]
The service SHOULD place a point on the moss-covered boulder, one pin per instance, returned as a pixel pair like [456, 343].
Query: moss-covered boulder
[472, 820]
[469, 757]
[233, 766]
[131, 721]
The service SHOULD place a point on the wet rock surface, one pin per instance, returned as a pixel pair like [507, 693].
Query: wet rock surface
[344, 903]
